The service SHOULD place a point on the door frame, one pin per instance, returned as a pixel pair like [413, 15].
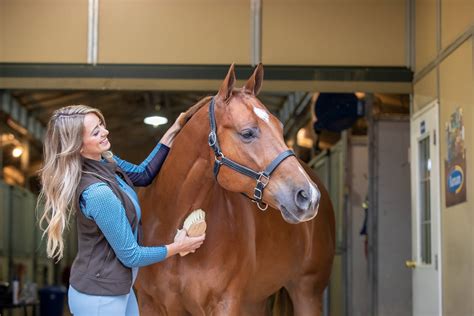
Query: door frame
[435, 192]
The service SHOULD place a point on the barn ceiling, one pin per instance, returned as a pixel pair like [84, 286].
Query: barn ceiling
[124, 112]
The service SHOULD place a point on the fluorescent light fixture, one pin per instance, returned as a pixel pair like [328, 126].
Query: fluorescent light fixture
[155, 120]
[17, 151]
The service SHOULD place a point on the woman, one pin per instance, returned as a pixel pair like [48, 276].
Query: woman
[77, 179]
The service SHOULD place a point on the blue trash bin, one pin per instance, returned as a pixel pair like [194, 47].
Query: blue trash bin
[52, 300]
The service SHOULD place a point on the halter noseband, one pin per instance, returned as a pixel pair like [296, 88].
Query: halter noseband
[262, 177]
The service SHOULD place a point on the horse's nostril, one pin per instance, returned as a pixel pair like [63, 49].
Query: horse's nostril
[302, 199]
[303, 195]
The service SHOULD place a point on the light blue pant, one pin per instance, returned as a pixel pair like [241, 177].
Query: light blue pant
[81, 304]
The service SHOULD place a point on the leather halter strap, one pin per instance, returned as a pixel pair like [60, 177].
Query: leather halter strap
[262, 177]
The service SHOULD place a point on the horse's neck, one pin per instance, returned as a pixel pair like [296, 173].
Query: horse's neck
[186, 180]
[190, 152]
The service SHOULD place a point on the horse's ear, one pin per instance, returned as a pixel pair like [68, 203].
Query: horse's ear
[225, 91]
[254, 84]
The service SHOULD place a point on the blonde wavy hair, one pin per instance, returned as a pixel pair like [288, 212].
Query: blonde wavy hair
[61, 173]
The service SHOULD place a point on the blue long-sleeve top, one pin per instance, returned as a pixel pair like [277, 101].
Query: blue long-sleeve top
[99, 203]
[143, 174]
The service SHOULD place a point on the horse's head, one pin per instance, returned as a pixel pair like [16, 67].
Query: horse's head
[249, 135]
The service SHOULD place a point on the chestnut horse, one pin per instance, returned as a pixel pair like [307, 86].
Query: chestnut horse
[248, 254]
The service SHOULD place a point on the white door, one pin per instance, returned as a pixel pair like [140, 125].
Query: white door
[426, 248]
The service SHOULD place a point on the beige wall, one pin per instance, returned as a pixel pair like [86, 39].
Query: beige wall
[43, 31]
[425, 90]
[297, 32]
[334, 32]
[174, 31]
[425, 32]
[456, 17]
[454, 88]
[457, 229]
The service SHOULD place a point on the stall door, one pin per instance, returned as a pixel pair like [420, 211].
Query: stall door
[330, 167]
[426, 250]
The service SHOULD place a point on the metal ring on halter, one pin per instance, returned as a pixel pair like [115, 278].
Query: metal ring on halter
[263, 209]
[212, 139]
[220, 155]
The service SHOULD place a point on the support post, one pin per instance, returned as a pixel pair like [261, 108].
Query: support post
[256, 31]
[372, 212]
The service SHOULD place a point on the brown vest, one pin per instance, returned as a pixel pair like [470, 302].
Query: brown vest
[96, 270]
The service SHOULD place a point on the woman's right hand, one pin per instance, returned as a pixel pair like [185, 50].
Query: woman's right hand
[169, 136]
[184, 244]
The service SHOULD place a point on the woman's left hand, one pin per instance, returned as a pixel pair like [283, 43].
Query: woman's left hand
[171, 133]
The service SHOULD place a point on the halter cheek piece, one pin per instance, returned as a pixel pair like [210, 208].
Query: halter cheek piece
[262, 177]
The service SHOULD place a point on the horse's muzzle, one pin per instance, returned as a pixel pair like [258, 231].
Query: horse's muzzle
[301, 204]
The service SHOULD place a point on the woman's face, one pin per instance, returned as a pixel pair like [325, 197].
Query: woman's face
[94, 139]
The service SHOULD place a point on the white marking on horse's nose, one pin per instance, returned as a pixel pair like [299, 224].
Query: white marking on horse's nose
[261, 114]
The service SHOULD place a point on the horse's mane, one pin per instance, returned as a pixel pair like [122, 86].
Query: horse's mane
[193, 109]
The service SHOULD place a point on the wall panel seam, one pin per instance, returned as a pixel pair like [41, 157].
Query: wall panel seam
[444, 54]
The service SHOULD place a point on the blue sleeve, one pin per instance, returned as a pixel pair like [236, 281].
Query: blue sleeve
[98, 202]
[143, 174]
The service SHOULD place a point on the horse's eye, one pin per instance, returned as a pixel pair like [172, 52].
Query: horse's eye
[248, 134]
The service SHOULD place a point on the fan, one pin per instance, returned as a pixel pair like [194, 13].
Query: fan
[336, 112]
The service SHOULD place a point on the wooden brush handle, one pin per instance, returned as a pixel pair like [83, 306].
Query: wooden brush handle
[197, 229]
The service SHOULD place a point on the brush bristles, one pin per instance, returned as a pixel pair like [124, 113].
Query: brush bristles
[194, 217]
[194, 225]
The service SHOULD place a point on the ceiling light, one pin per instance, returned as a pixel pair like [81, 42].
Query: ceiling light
[17, 151]
[155, 120]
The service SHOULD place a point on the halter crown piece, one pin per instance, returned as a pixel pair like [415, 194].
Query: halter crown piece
[262, 177]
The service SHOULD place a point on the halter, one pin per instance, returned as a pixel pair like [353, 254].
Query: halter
[262, 177]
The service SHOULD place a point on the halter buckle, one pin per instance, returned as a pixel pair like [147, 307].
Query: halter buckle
[263, 179]
[262, 182]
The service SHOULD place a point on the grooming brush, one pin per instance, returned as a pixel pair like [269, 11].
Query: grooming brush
[194, 225]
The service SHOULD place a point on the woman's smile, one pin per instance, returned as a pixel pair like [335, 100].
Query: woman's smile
[105, 142]
[94, 141]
